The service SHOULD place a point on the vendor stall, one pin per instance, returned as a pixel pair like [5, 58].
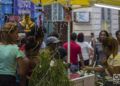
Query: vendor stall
[84, 80]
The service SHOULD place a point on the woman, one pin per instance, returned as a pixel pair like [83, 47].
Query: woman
[10, 56]
[99, 53]
[110, 46]
[112, 60]
[32, 48]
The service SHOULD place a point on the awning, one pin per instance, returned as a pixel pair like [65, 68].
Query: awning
[63, 2]
[109, 2]
[78, 2]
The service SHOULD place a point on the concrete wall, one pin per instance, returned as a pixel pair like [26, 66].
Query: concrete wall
[114, 22]
[96, 24]
[83, 27]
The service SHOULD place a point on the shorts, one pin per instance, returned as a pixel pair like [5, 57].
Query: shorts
[7, 80]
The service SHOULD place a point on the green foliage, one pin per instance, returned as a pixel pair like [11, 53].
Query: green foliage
[46, 75]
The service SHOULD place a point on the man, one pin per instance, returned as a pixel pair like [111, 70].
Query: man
[51, 67]
[75, 50]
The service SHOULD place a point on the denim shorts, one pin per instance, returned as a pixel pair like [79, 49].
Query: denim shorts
[74, 68]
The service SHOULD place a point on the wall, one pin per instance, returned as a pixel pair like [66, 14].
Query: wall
[96, 23]
[115, 22]
[83, 27]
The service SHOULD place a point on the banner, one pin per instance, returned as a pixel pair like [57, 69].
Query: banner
[23, 7]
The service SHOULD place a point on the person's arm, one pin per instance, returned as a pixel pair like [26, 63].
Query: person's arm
[81, 59]
[96, 69]
[22, 70]
[91, 52]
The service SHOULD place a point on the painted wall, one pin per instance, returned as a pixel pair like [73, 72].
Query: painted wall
[96, 23]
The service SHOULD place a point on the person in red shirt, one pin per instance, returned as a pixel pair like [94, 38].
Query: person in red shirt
[75, 51]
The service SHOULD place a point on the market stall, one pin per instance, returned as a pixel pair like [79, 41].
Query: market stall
[86, 79]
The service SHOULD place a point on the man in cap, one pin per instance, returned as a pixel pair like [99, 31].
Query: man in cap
[52, 40]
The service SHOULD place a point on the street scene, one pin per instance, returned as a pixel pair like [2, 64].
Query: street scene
[59, 42]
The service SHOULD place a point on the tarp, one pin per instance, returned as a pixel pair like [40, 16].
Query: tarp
[78, 2]
[63, 2]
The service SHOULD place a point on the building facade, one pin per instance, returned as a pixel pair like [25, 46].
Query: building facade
[95, 19]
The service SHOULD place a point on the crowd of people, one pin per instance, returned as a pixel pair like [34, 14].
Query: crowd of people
[19, 56]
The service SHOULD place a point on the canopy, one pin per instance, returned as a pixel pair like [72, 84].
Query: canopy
[63, 2]
[78, 2]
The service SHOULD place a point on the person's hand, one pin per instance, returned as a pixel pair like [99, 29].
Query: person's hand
[88, 68]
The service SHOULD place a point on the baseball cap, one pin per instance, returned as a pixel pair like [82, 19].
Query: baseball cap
[52, 40]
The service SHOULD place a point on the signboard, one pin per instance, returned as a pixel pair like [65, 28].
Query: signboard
[23, 7]
[82, 17]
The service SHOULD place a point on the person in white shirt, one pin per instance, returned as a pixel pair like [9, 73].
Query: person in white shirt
[93, 40]
[87, 50]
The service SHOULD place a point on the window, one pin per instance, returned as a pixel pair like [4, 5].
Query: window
[82, 17]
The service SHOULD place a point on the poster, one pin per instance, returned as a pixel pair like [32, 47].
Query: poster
[23, 7]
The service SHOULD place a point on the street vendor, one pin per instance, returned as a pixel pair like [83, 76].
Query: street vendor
[110, 64]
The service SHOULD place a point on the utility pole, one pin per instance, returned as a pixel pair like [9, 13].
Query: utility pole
[119, 18]
[40, 16]
[68, 18]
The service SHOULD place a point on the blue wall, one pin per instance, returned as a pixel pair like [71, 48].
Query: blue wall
[6, 8]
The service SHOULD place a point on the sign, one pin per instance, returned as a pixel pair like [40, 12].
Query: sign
[23, 7]
[82, 17]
